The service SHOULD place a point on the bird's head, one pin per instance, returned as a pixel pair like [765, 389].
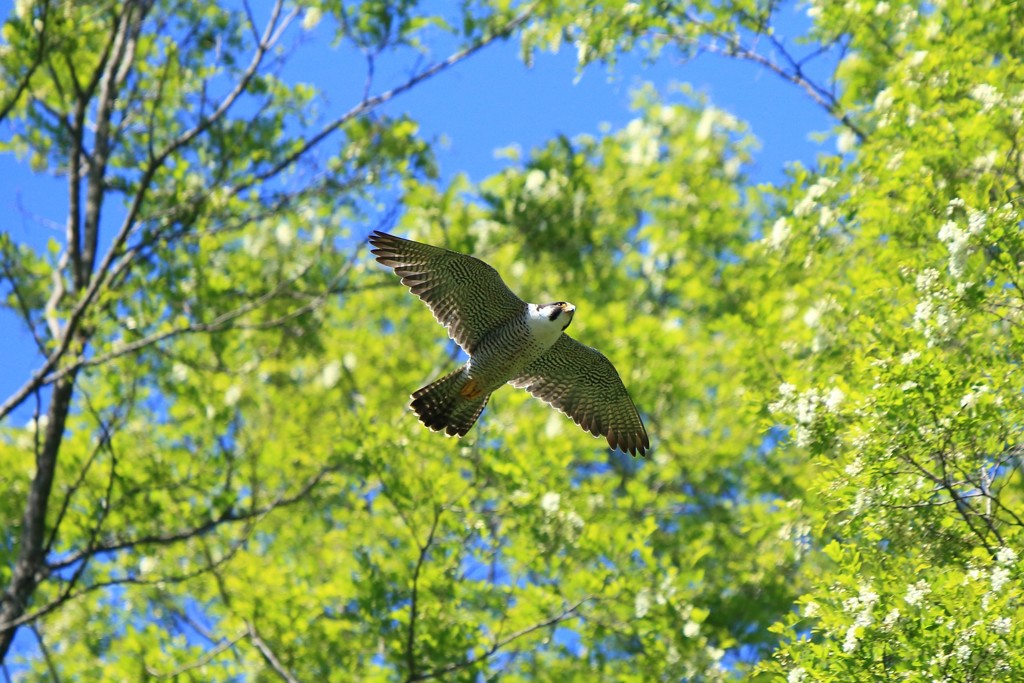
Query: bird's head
[559, 311]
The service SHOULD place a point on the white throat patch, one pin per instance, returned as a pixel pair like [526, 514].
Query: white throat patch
[545, 330]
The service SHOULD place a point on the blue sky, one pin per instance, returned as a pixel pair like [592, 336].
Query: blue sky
[485, 103]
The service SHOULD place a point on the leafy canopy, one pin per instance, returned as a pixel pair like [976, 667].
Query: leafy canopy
[221, 481]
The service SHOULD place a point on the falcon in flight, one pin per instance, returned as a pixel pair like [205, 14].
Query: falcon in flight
[507, 340]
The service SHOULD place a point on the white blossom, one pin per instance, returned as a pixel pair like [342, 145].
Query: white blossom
[846, 141]
[705, 125]
[1000, 575]
[779, 234]
[553, 427]
[814, 193]
[957, 242]
[987, 95]
[643, 143]
[1006, 556]
[806, 407]
[927, 279]
[549, 502]
[284, 234]
[916, 592]
[232, 395]
[884, 99]
[535, 180]
[868, 598]
[330, 374]
[834, 399]
[311, 18]
[642, 604]
[976, 221]
[179, 372]
[850, 642]
[909, 357]
[985, 163]
[1001, 625]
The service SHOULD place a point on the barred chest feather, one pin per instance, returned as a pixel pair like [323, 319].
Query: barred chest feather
[507, 350]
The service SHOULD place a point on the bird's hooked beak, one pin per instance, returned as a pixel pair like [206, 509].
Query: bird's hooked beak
[567, 309]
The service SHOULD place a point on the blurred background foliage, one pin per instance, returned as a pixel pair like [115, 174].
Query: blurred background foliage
[222, 481]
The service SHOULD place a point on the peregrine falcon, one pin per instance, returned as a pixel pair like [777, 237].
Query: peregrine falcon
[507, 340]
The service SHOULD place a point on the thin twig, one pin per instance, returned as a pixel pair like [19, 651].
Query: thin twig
[269, 655]
[410, 646]
[499, 644]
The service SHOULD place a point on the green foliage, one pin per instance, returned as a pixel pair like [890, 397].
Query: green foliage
[829, 368]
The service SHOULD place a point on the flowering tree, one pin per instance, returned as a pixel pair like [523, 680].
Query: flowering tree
[221, 480]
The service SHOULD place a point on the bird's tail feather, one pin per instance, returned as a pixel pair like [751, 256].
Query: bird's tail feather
[442, 405]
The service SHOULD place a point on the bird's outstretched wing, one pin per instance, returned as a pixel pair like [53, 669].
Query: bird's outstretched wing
[465, 294]
[583, 384]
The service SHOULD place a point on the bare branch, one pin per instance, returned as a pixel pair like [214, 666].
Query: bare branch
[51, 668]
[110, 78]
[269, 655]
[373, 102]
[271, 33]
[794, 73]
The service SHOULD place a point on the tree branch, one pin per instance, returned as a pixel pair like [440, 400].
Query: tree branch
[373, 102]
[135, 208]
[29, 568]
[37, 60]
[226, 517]
[269, 655]
[410, 645]
[794, 74]
[201, 661]
[500, 643]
